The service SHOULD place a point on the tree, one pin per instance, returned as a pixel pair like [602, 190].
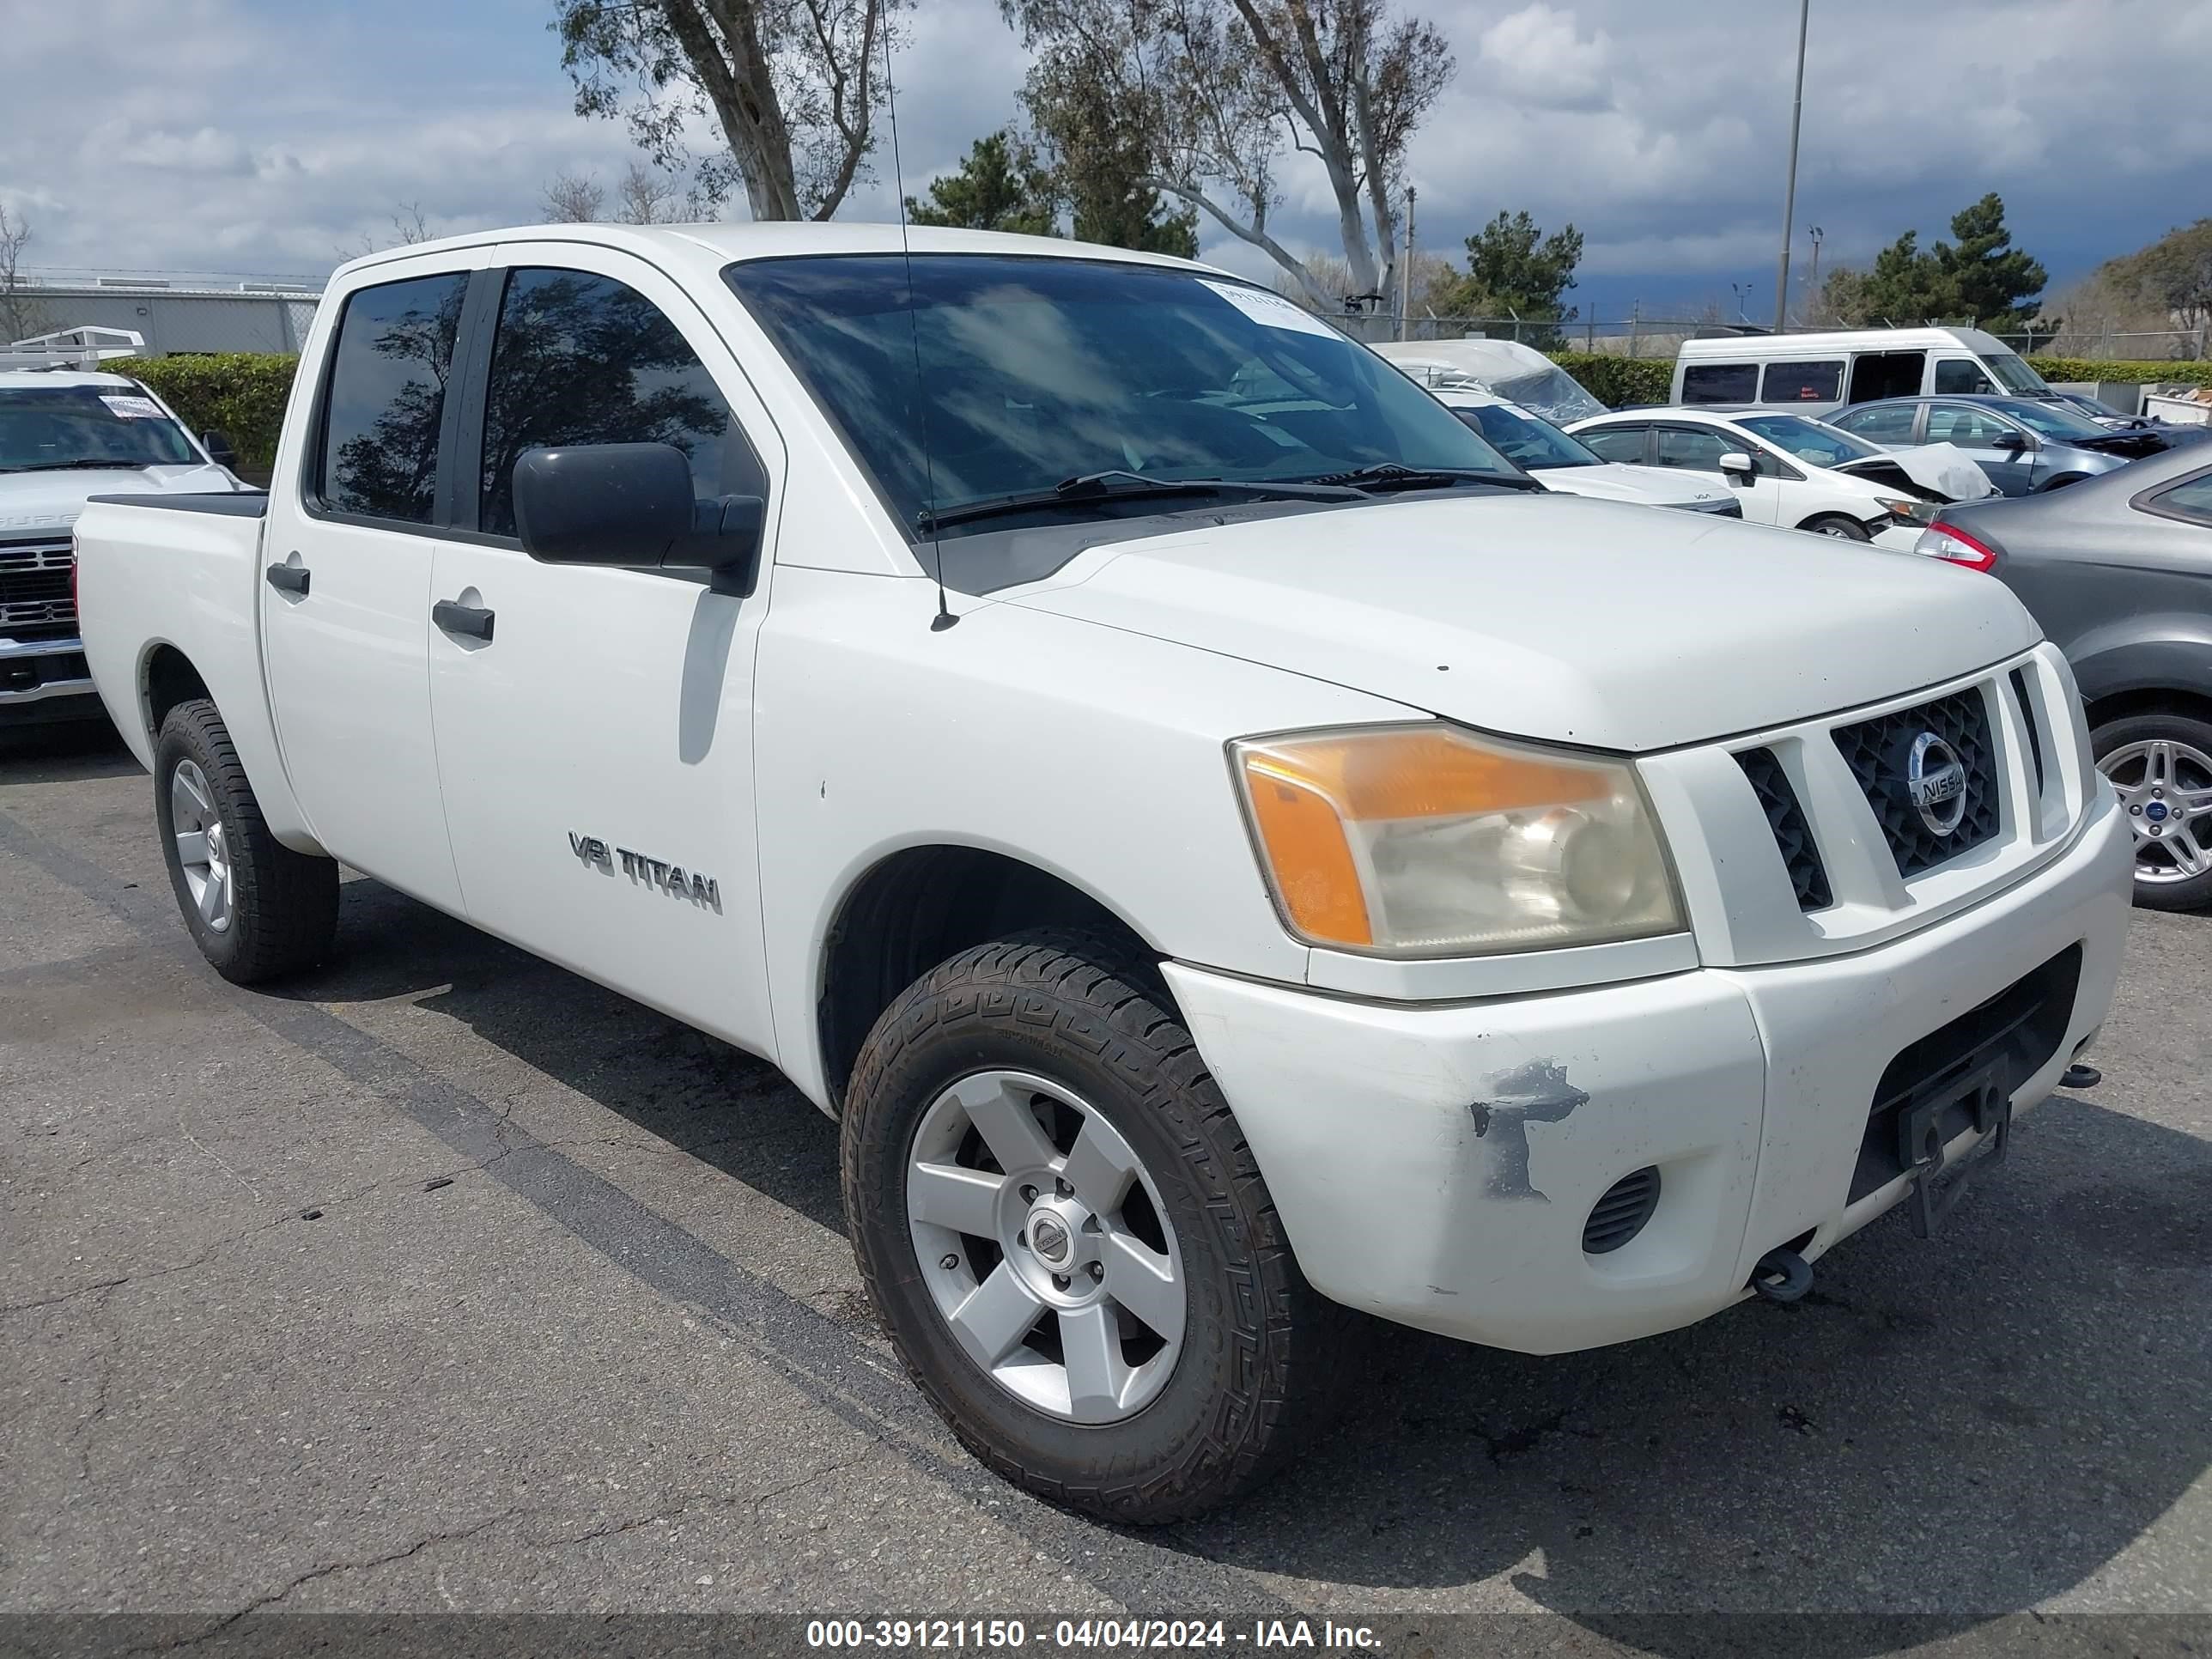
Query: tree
[1000, 187]
[574, 198]
[645, 197]
[1100, 164]
[20, 316]
[1982, 277]
[1994, 283]
[1217, 91]
[793, 85]
[409, 227]
[2175, 273]
[1514, 270]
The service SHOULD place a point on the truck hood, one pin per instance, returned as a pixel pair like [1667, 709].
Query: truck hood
[1619, 481]
[1550, 617]
[31, 503]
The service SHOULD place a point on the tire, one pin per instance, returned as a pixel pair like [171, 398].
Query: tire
[2148, 778]
[277, 910]
[1259, 1351]
[1838, 526]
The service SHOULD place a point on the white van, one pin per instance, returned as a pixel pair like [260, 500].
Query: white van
[1817, 373]
[1520, 374]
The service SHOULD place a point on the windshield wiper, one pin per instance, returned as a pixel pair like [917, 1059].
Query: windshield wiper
[1118, 485]
[86, 465]
[1391, 475]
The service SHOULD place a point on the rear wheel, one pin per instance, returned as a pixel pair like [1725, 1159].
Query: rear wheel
[2161, 765]
[1836, 525]
[255, 908]
[1067, 1238]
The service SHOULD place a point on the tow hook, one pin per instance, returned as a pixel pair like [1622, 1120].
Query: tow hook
[2079, 1076]
[1781, 1275]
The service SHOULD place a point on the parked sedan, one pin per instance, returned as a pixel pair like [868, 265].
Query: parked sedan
[2023, 445]
[1786, 470]
[2119, 570]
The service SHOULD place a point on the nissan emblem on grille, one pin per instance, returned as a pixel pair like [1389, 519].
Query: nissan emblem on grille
[1937, 783]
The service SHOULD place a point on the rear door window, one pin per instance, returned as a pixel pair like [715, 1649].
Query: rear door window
[1879, 374]
[2191, 499]
[377, 450]
[1720, 383]
[584, 359]
[1816, 381]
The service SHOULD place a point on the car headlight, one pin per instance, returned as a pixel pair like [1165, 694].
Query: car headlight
[1423, 841]
[1914, 512]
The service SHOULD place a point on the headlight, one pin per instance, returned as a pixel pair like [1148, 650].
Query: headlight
[1423, 841]
[1916, 512]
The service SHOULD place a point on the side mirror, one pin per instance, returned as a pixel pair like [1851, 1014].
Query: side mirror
[2012, 440]
[630, 506]
[1736, 466]
[219, 449]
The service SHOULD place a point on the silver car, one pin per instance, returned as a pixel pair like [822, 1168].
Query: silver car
[2024, 446]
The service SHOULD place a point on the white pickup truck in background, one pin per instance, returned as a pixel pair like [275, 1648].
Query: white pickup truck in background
[1226, 849]
[70, 429]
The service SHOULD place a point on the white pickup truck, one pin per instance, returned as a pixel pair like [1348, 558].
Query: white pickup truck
[1225, 849]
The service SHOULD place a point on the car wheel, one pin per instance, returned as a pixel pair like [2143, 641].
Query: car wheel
[2161, 765]
[1068, 1239]
[255, 908]
[1836, 525]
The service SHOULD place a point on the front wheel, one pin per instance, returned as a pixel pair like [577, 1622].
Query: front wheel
[1069, 1241]
[255, 908]
[1836, 525]
[2161, 765]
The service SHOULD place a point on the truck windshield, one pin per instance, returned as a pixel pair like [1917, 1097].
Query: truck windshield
[983, 377]
[52, 428]
[1533, 445]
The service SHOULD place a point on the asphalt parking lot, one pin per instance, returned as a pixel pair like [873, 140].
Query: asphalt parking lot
[447, 1280]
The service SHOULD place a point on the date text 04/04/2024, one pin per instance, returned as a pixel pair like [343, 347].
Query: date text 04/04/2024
[1004, 1635]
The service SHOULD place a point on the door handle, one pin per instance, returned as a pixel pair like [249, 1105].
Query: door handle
[287, 578]
[473, 620]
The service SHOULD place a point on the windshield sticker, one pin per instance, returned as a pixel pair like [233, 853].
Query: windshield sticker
[1271, 309]
[133, 409]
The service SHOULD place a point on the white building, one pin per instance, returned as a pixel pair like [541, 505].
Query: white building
[179, 314]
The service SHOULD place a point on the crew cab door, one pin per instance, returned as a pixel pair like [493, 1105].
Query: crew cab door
[594, 724]
[345, 595]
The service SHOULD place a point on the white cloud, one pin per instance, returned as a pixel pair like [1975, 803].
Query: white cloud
[1539, 57]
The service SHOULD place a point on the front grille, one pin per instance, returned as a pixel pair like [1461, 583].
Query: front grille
[1879, 751]
[34, 586]
[1793, 835]
[1620, 1214]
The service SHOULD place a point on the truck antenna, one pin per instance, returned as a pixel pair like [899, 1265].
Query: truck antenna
[944, 618]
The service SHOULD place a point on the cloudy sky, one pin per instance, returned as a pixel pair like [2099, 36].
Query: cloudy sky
[269, 136]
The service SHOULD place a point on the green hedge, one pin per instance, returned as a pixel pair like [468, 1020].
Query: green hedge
[2137, 373]
[1617, 382]
[239, 394]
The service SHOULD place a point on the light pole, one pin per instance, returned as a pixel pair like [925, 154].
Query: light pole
[1742, 299]
[1812, 282]
[1790, 194]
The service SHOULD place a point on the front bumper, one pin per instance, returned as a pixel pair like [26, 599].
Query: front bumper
[1434, 1165]
[44, 680]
